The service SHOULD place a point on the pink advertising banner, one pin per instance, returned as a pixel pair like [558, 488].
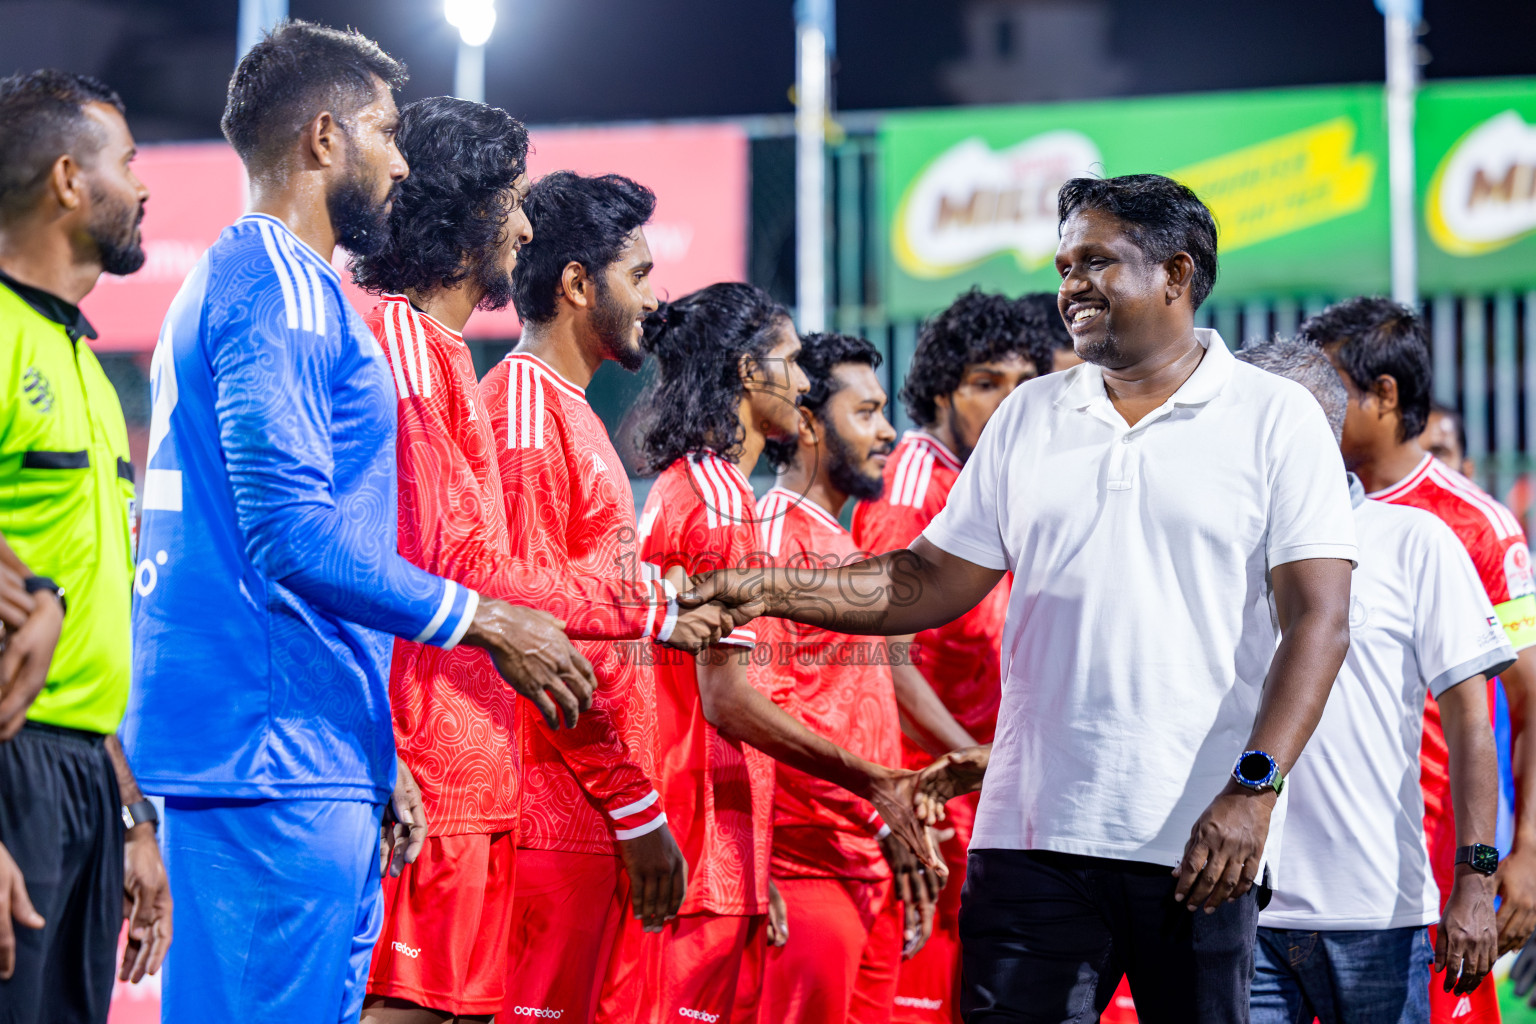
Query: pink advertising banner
[698, 234]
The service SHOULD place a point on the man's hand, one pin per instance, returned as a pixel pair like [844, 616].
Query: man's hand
[14, 905]
[894, 794]
[699, 628]
[16, 604]
[400, 842]
[1466, 943]
[778, 917]
[1515, 884]
[1221, 859]
[146, 905]
[955, 774]
[24, 664]
[740, 591]
[535, 657]
[658, 876]
[917, 888]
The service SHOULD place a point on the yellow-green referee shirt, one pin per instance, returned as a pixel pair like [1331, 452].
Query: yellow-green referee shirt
[66, 499]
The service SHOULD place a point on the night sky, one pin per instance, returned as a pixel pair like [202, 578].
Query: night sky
[603, 60]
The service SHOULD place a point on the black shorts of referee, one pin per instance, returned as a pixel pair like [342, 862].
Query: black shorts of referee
[61, 821]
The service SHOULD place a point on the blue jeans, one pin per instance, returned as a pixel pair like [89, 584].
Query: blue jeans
[1375, 977]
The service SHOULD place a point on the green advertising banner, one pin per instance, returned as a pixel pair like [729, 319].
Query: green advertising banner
[1476, 169]
[1296, 179]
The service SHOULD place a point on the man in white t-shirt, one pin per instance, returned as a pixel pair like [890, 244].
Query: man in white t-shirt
[1165, 511]
[1344, 938]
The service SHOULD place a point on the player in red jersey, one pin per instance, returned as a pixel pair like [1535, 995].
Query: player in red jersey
[454, 719]
[591, 814]
[1381, 352]
[831, 860]
[968, 359]
[726, 383]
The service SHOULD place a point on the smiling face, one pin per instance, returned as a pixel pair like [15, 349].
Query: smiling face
[1119, 306]
[852, 433]
[623, 297]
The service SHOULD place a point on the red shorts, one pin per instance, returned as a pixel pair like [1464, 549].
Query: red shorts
[687, 971]
[447, 926]
[928, 985]
[842, 955]
[1480, 1006]
[565, 917]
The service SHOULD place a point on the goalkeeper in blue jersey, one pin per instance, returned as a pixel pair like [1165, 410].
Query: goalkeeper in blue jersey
[268, 585]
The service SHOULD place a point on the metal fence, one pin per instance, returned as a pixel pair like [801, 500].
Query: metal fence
[1484, 363]
[1484, 346]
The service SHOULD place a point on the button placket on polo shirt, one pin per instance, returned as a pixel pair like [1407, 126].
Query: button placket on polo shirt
[1125, 450]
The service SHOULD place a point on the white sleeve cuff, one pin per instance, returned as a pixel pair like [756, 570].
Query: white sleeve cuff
[471, 605]
[655, 823]
[669, 622]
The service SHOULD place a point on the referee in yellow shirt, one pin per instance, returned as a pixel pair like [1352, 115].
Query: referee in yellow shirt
[79, 849]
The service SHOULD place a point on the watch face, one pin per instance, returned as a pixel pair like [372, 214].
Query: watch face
[1255, 768]
[1485, 859]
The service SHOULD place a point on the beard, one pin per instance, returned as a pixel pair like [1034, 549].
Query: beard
[615, 327]
[491, 277]
[846, 470]
[114, 229]
[360, 221]
[1104, 352]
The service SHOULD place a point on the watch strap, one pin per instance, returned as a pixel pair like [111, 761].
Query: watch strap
[36, 584]
[1489, 855]
[139, 812]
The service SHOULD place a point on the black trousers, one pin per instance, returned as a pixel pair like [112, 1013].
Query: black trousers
[61, 820]
[1046, 937]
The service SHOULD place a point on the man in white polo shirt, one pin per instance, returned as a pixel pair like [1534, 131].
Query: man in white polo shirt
[1164, 510]
[1344, 938]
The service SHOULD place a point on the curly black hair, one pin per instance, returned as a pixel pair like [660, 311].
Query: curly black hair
[1045, 332]
[297, 70]
[448, 222]
[575, 220]
[978, 327]
[1380, 336]
[44, 116]
[819, 354]
[693, 402]
[1162, 216]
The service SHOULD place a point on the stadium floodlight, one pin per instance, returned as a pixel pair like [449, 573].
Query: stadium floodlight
[475, 19]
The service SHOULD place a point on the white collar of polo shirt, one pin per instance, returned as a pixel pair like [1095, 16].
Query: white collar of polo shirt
[1087, 389]
[1356, 490]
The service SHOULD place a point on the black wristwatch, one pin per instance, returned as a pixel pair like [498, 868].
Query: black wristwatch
[138, 812]
[37, 583]
[1483, 858]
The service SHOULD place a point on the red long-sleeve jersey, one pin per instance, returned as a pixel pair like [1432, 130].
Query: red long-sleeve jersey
[454, 717]
[840, 687]
[701, 516]
[569, 510]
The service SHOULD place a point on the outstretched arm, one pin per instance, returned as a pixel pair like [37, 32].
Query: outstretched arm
[900, 592]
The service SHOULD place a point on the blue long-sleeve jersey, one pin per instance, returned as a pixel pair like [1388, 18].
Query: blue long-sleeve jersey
[268, 583]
